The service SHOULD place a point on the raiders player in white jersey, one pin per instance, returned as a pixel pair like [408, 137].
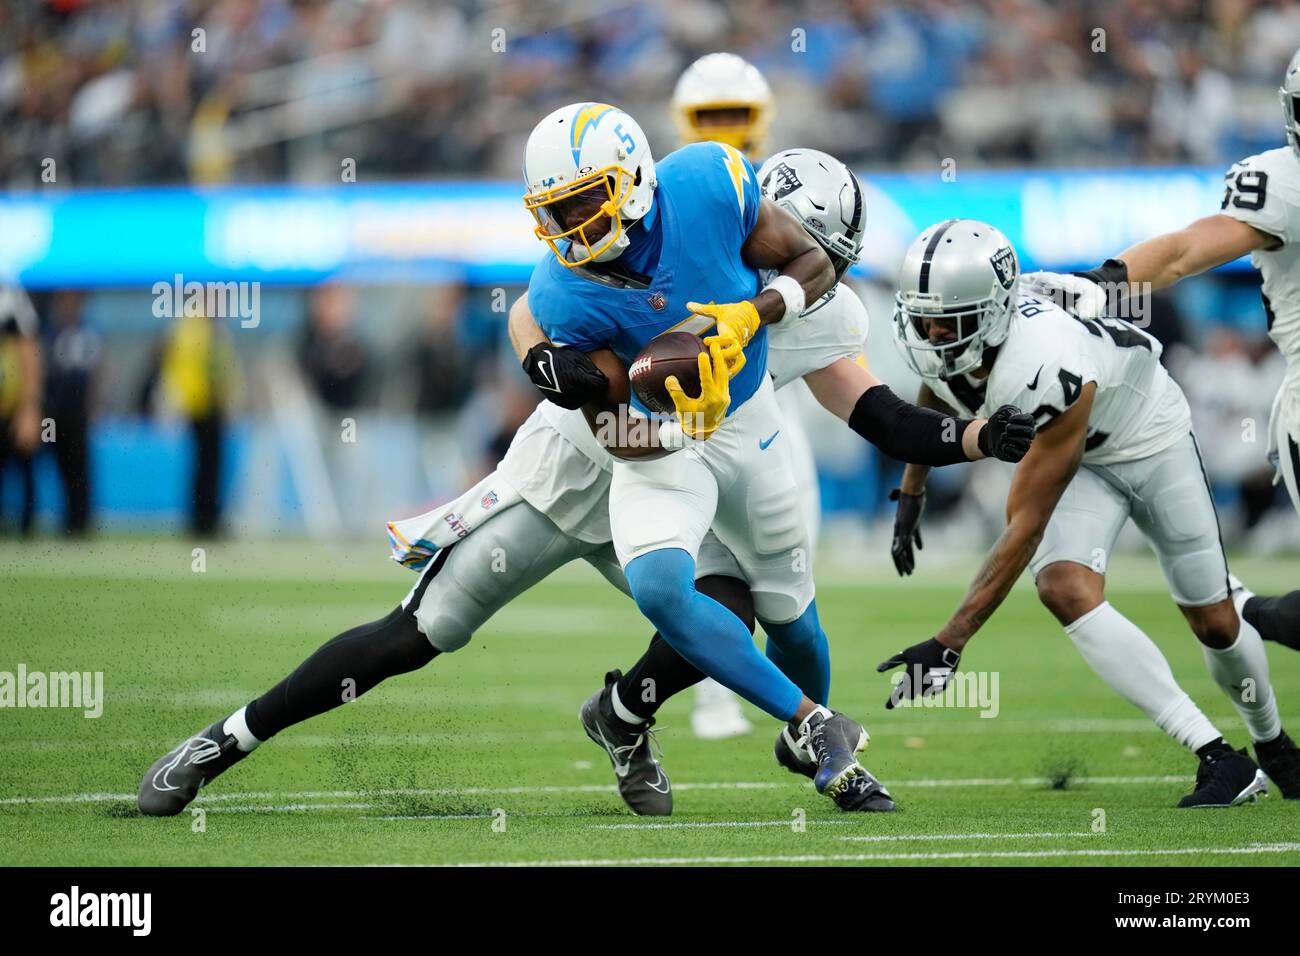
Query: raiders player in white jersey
[1259, 215]
[550, 505]
[1115, 442]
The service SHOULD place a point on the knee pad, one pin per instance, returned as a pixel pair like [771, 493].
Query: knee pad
[440, 629]
[661, 583]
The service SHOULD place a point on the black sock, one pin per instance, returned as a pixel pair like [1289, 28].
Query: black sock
[343, 668]
[659, 674]
[1214, 746]
[1276, 618]
[662, 672]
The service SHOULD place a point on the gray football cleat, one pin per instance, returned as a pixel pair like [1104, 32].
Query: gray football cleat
[175, 777]
[642, 783]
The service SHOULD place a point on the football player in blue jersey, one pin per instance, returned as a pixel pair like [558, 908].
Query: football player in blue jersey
[639, 249]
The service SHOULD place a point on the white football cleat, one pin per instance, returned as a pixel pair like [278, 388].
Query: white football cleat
[717, 714]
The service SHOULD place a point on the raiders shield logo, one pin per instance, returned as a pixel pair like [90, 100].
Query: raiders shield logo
[780, 182]
[1004, 264]
[658, 301]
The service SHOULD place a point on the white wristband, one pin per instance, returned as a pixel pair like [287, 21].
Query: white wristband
[791, 293]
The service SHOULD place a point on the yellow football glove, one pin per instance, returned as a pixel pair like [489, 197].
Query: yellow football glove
[732, 353]
[735, 320]
[700, 417]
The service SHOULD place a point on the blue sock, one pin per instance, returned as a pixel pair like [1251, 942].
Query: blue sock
[800, 649]
[706, 633]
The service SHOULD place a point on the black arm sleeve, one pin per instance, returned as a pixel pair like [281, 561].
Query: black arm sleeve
[907, 432]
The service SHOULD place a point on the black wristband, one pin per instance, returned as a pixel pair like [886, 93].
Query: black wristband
[907, 432]
[1110, 272]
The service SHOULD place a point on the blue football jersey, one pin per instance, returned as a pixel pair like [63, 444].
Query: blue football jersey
[705, 206]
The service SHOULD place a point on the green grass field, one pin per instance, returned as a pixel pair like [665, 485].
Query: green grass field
[418, 771]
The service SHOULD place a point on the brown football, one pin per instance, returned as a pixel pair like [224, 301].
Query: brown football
[673, 353]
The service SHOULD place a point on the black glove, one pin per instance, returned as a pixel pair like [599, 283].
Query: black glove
[565, 375]
[936, 664]
[1008, 434]
[906, 531]
[1110, 272]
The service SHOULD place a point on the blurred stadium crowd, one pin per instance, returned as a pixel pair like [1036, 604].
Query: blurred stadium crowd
[234, 91]
[413, 88]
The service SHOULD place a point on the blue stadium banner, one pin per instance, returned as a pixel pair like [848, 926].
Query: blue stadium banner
[479, 231]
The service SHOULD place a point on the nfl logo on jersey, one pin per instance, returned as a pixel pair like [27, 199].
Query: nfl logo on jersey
[488, 500]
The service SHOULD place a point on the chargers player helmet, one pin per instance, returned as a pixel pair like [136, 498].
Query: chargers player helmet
[956, 291]
[1289, 94]
[590, 174]
[723, 98]
[824, 195]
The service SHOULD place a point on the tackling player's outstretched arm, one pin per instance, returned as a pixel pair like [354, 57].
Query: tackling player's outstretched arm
[911, 433]
[1206, 243]
[1035, 490]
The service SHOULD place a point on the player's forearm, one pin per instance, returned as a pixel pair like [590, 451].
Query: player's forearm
[813, 271]
[997, 575]
[622, 434]
[906, 432]
[914, 479]
[523, 328]
[909, 433]
[1206, 243]
[1161, 261]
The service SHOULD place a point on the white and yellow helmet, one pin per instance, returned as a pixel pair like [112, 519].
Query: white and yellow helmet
[722, 82]
[587, 158]
[1289, 93]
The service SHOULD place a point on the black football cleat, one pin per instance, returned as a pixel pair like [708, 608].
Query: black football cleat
[865, 794]
[1280, 759]
[175, 777]
[642, 783]
[862, 793]
[1226, 778]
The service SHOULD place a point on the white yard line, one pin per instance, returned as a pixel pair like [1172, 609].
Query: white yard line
[928, 837]
[300, 795]
[449, 738]
[1254, 849]
[849, 821]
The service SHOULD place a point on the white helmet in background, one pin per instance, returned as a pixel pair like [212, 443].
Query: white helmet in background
[956, 292]
[824, 195]
[590, 174]
[1289, 94]
[724, 98]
